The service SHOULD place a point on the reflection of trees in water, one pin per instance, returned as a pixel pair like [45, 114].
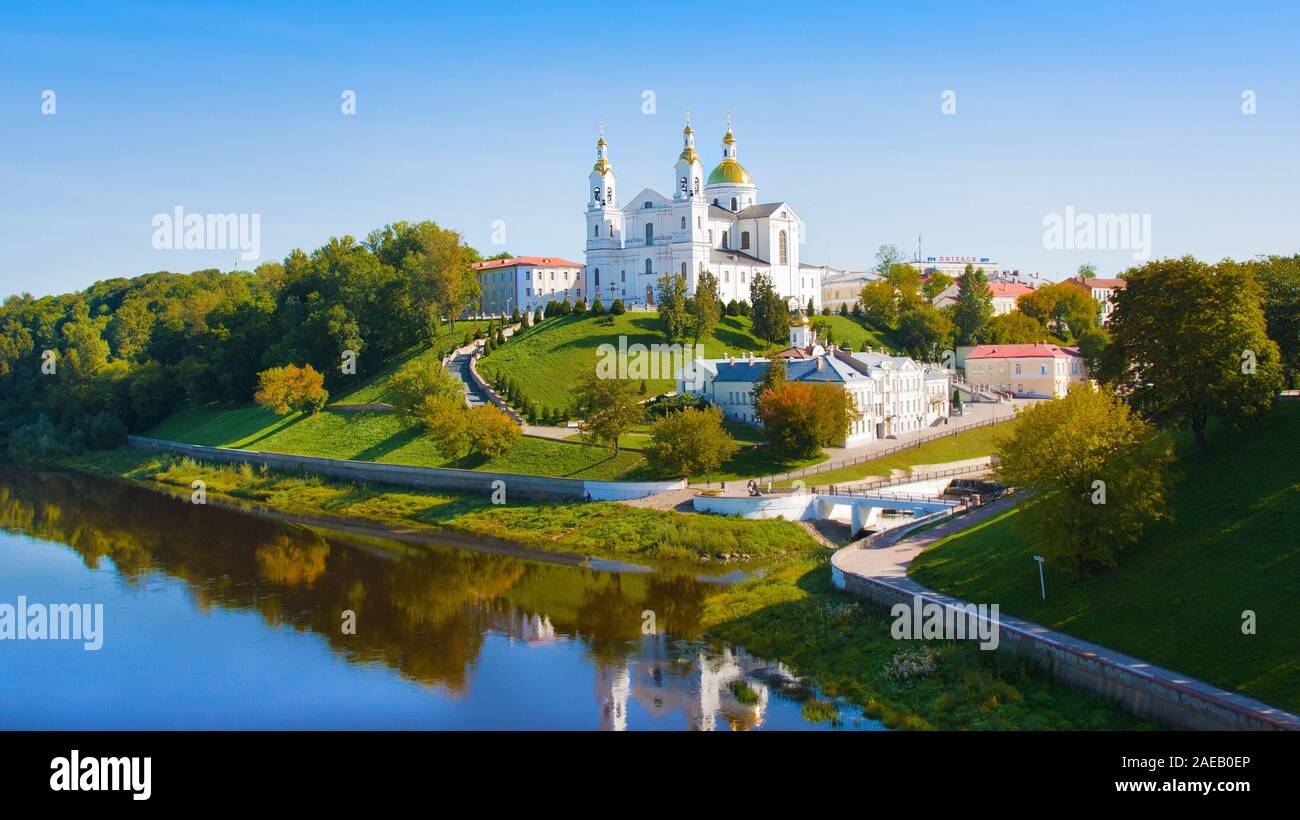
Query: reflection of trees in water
[423, 612]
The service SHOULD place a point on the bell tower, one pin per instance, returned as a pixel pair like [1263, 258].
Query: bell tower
[604, 219]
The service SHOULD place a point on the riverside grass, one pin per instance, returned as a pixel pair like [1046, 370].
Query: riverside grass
[1176, 598]
[788, 611]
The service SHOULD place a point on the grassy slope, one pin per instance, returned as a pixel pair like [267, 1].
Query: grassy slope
[378, 437]
[546, 361]
[847, 331]
[976, 443]
[1177, 598]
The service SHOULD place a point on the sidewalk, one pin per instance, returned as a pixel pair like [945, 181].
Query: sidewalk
[1145, 688]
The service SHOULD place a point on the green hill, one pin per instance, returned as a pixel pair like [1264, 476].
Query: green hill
[1176, 599]
[546, 361]
[379, 437]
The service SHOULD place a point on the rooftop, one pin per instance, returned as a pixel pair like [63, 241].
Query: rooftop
[1039, 350]
[534, 261]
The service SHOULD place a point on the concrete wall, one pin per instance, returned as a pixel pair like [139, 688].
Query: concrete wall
[1143, 689]
[425, 478]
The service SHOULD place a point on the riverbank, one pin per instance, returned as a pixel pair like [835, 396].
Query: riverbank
[790, 613]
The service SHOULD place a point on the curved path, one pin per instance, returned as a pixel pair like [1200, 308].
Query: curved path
[879, 572]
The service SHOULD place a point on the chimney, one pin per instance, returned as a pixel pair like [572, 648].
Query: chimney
[820, 361]
[751, 357]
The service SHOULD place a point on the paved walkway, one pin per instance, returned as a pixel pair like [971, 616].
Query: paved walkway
[886, 563]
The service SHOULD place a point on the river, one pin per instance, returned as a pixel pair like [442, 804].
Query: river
[217, 619]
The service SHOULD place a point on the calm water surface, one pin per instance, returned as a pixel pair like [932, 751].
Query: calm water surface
[218, 619]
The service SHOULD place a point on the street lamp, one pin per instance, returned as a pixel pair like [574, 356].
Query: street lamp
[1042, 585]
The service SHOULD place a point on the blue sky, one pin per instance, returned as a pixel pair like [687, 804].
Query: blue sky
[471, 113]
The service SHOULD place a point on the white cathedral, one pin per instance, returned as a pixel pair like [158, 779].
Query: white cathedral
[715, 224]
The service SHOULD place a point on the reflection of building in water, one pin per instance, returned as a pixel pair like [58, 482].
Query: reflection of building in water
[507, 619]
[665, 677]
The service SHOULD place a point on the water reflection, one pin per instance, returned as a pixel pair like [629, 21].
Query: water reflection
[456, 622]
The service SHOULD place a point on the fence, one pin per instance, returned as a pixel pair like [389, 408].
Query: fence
[898, 448]
[909, 478]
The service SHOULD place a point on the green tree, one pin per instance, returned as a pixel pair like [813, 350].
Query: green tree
[1189, 342]
[291, 388]
[491, 432]
[705, 307]
[1097, 477]
[611, 408]
[773, 377]
[671, 298]
[1280, 277]
[974, 309]
[879, 303]
[1014, 328]
[690, 443]
[447, 424]
[418, 379]
[937, 282]
[924, 332]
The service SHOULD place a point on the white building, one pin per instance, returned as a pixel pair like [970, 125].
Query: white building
[894, 394]
[1103, 290]
[526, 283]
[841, 287]
[714, 224]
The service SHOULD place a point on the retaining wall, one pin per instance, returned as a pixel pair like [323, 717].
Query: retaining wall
[429, 478]
[1145, 690]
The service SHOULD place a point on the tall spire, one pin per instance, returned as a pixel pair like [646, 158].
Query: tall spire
[688, 141]
[602, 153]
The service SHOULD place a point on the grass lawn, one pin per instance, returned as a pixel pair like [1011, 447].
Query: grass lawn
[1177, 598]
[547, 360]
[981, 441]
[381, 437]
[375, 387]
[853, 333]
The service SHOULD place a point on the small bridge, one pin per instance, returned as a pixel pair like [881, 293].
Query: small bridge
[864, 510]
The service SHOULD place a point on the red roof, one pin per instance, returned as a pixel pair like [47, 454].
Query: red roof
[1009, 289]
[1041, 350]
[535, 261]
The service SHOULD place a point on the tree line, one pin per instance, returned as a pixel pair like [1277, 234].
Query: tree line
[82, 369]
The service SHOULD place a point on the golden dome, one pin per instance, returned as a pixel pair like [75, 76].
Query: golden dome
[688, 155]
[729, 139]
[602, 166]
[729, 171]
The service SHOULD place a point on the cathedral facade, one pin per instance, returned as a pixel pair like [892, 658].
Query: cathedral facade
[712, 223]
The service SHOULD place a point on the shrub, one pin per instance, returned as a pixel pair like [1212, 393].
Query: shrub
[617, 308]
[282, 389]
[597, 308]
[105, 431]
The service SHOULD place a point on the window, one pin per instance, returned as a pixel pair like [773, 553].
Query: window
[710, 236]
[649, 233]
[781, 243]
[1017, 369]
[744, 240]
[595, 230]
[724, 242]
[683, 223]
[622, 276]
[726, 276]
[733, 204]
[649, 268]
[648, 205]
[596, 273]
[683, 270]
[699, 222]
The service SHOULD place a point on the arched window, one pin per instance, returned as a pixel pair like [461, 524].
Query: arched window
[724, 240]
[683, 223]
[595, 230]
[744, 240]
[596, 274]
[649, 233]
[697, 185]
[733, 203]
[649, 268]
[683, 270]
[781, 242]
[609, 195]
